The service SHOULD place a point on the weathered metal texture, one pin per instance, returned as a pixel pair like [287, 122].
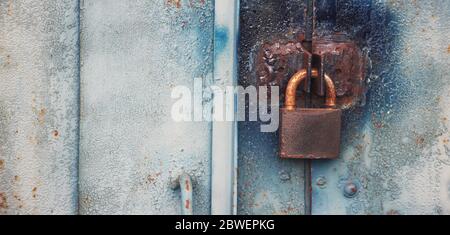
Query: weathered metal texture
[266, 183]
[395, 157]
[38, 106]
[278, 61]
[132, 54]
[345, 63]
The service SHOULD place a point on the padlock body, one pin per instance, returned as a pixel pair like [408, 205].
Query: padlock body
[310, 133]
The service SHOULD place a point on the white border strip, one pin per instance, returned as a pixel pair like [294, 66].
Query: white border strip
[224, 134]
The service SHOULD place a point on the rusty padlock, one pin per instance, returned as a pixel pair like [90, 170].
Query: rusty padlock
[310, 133]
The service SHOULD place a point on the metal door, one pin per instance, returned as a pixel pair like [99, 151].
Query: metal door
[39, 107]
[131, 150]
[85, 102]
[394, 157]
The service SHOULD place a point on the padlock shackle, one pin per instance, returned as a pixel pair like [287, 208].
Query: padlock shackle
[291, 90]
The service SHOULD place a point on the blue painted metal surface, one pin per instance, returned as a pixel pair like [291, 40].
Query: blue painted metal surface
[395, 144]
[395, 148]
[266, 184]
[132, 54]
[38, 107]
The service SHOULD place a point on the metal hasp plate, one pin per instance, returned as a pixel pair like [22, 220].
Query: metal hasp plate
[306, 133]
[310, 133]
[344, 62]
[334, 55]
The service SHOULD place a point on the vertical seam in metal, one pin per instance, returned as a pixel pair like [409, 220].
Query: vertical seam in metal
[309, 24]
[79, 2]
[236, 18]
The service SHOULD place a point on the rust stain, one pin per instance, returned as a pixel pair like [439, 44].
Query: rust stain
[17, 197]
[377, 122]
[176, 3]
[151, 179]
[187, 185]
[33, 191]
[420, 140]
[288, 211]
[19, 200]
[191, 2]
[187, 204]
[3, 201]
[378, 125]
[448, 49]
[393, 212]
[10, 8]
[42, 113]
[33, 140]
[2, 164]
[8, 59]
[55, 133]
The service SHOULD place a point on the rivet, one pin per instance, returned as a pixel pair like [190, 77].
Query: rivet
[350, 190]
[321, 182]
[284, 176]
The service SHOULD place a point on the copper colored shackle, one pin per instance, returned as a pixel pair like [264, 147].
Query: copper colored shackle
[291, 90]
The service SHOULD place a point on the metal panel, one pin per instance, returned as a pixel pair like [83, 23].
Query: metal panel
[395, 155]
[132, 54]
[266, 184]
[38, 106]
